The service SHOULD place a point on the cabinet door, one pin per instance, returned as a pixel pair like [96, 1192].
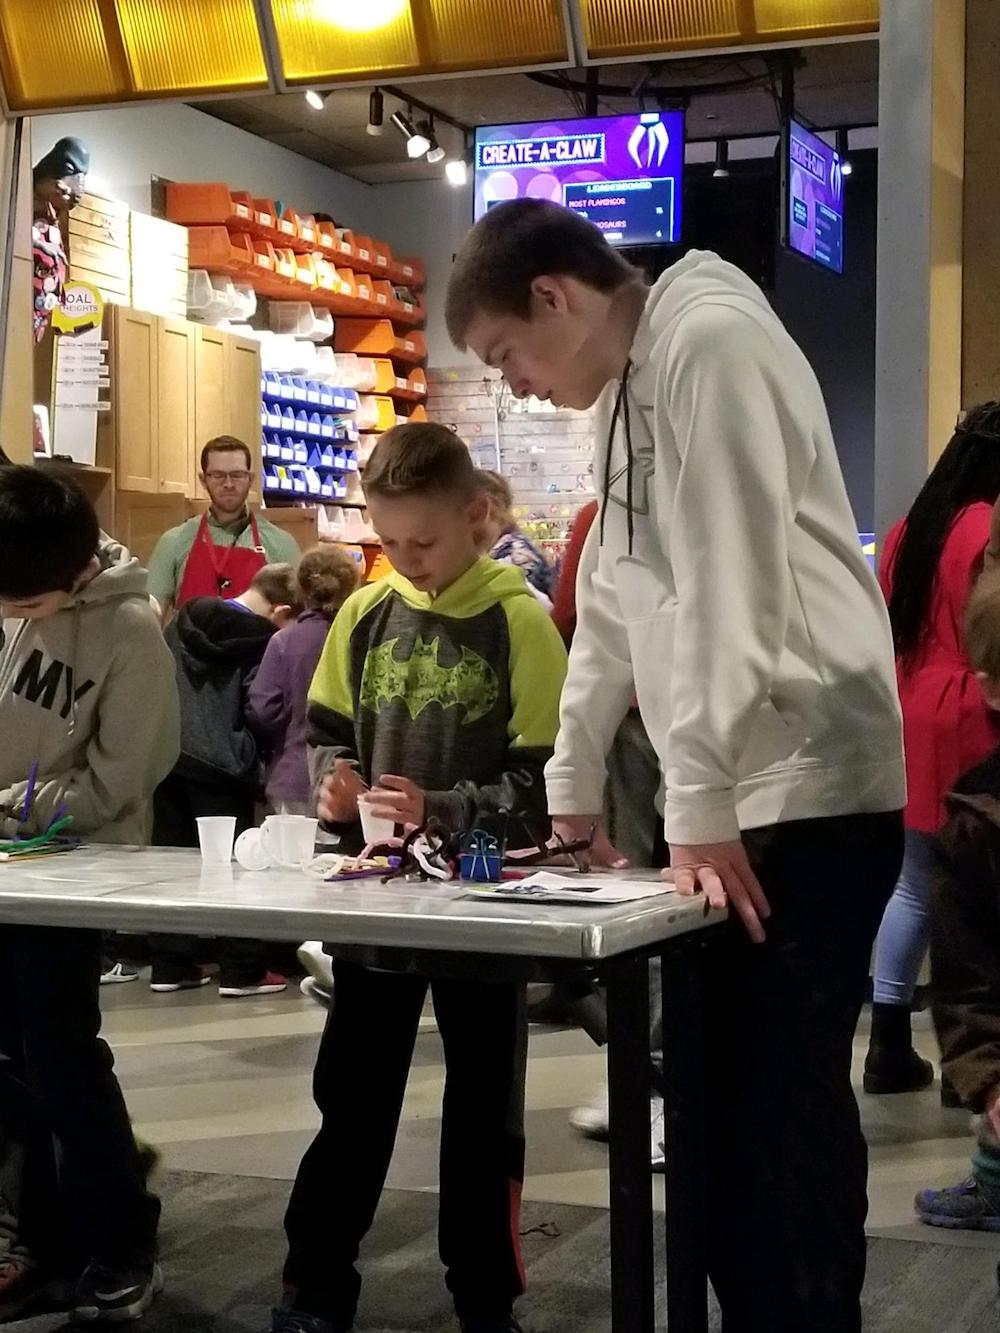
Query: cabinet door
[175, 405]
[243, 396]
[210, 411]
[134, 386]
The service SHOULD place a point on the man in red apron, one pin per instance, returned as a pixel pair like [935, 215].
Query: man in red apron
[218, 554]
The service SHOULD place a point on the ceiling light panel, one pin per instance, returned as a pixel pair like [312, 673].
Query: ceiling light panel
[330, 40]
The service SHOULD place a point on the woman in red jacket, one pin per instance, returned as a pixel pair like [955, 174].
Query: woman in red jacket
[930, 561]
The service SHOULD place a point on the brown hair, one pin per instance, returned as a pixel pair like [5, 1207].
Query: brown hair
[278, 585]
[420, 459]
[327, 576]
[517, 242]
[982, 625]
[497, 489]
[226, 444]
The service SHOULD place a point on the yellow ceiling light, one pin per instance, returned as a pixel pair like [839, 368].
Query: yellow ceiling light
[361, 15]
[323, 41]
[616, 28]
[126, 50]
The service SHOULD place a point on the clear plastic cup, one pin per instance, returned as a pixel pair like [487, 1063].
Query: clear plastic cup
[215, 837]
[373, 828]
[292, 837]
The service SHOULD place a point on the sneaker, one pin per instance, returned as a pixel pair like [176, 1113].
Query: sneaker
[114, 974]
[193, 980]
[486, 1324]
[295, 1321]
[271, 984]
[970, 1206]
[592, 1120]
[315, 963]
[312, 990]
[106, 1295]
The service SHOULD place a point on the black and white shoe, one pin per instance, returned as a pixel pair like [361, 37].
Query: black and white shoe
[116, 973]
[115, 1295]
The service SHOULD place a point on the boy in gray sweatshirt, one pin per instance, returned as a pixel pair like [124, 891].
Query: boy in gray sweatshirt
[88, 702]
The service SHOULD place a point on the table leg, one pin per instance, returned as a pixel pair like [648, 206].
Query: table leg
[686, 1153]
[632, 1306]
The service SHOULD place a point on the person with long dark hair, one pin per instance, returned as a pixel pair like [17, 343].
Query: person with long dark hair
[932, 557]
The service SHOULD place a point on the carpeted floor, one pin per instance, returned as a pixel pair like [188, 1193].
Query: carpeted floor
[222, 1252]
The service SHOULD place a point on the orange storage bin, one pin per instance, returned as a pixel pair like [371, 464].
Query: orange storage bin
[370, 337]
[327, 239]
[410, 313]
[305, 271]
[407, 272]
[205, 204]
[383, 298]
[361, 249]
[419, 413]
[382, 256]
[214, 249]
[410, 348]
[410, 388]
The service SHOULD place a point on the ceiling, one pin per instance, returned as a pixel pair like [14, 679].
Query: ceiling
[835, 85]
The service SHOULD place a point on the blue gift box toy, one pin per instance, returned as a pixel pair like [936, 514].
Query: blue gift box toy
[481, 858]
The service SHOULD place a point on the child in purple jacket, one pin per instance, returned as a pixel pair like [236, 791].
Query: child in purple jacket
[276, 706]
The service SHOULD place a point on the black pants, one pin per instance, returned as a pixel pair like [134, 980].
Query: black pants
[177, 806]
[787, 1160]
[83, 1194]
[360, 1079]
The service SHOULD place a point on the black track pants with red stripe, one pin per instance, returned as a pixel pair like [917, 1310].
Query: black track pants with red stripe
[359, 1083]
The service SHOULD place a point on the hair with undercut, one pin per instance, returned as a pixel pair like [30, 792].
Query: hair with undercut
[517, 242]
[278, 585]
[48, 532]
[420, 458]
[226, 444]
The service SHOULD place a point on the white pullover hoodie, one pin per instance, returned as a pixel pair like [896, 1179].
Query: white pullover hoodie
[724, 583]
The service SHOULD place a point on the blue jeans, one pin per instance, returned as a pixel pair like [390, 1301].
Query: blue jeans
[905, 931]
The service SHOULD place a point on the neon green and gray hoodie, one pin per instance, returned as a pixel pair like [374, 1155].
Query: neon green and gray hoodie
[459, 692]
[90, 695]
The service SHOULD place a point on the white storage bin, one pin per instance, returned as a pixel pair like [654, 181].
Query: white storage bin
[210, 296]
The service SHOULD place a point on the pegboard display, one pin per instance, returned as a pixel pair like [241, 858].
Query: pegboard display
[547, 456]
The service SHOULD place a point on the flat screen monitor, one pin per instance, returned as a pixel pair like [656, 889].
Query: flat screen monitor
[623, 173]
[813, 198]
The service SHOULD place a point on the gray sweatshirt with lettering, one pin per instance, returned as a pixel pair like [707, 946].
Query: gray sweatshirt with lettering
[89, 693]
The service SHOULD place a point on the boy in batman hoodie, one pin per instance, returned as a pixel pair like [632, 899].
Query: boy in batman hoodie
[439, 689]
[218, 645]
[87, 695]
[724, 587]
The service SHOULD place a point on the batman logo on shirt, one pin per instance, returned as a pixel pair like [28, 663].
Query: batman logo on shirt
[421, 680]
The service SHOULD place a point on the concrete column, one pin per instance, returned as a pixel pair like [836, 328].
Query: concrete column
[981, 221]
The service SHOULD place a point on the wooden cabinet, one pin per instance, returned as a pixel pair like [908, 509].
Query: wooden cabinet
[174, 386]
[134, 398]
[175, 405]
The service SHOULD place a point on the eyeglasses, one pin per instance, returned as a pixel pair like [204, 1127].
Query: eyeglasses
[220, 477]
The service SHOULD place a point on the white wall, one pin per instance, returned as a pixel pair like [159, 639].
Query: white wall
[130, 144]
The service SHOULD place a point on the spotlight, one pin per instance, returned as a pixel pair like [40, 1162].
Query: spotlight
[721, 158]
[416, 144]
[376, 112]
[315, 99]
[843, 148]
[456, 171]
[435, 153]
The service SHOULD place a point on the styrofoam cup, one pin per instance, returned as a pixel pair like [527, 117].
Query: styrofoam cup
[215, 837]
[373, 828]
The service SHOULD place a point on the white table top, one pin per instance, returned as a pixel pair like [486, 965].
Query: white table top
[169, 890]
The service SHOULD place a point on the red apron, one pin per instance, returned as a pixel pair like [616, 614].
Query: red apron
[220, 571]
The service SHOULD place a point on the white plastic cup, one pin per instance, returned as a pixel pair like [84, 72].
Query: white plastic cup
[215, 837]
[250, 850]
[373, 828]
[293, 837]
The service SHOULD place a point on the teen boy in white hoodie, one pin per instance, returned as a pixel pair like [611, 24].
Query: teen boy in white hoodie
[724, 585]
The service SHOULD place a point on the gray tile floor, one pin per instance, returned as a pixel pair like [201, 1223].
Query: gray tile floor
[223, 1086]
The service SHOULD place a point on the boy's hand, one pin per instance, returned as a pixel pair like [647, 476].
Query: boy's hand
[722, 871]
[400, 800]
[339, 792]
[993, 1110]
[577, 828]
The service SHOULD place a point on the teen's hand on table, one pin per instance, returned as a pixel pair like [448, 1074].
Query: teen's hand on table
[577, 828]
[722, 871]
[339, 792]
[400, 800]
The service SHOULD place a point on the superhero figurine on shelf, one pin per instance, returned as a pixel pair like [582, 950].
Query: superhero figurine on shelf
[59, 180]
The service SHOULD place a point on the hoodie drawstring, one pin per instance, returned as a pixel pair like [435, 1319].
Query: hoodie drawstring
[621, 408]
[74, 644]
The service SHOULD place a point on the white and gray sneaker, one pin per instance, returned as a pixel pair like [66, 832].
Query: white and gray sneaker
[115, 1295]
[592, 1120]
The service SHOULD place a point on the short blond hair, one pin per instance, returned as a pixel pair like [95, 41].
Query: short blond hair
[982, 625]
[498, 491]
